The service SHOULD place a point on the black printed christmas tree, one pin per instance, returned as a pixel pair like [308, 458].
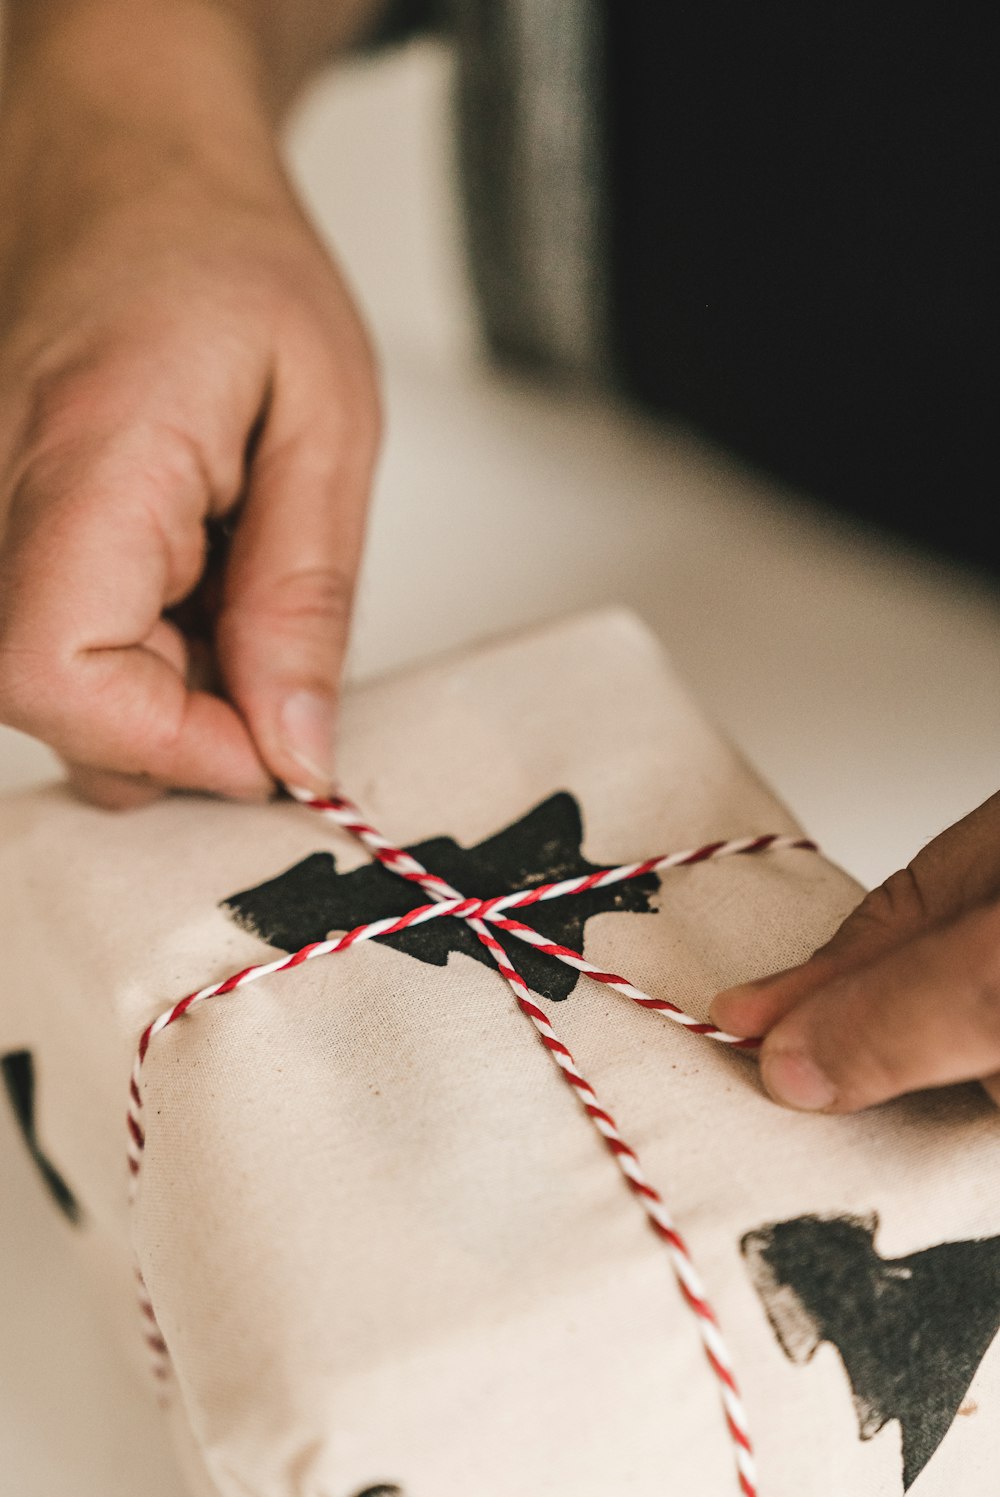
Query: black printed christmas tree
[310, 900]
[911, 1331]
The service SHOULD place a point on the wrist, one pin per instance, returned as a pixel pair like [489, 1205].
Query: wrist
[184, 75]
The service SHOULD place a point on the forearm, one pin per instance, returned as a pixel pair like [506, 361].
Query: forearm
[193, 57]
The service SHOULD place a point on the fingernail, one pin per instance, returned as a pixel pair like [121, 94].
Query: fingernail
[307, 730]
[796, 1081]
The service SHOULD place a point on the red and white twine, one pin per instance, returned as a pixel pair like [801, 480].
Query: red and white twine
[484, 916]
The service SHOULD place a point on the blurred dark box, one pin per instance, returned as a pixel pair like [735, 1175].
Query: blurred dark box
[802, 257]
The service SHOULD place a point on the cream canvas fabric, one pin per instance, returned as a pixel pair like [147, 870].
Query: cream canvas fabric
[387, 1251]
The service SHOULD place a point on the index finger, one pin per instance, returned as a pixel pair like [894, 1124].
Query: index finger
[90, 560]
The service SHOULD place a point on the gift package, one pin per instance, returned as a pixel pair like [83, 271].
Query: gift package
[384, 1220]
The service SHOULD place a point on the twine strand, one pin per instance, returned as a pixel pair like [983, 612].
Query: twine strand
[485, 917]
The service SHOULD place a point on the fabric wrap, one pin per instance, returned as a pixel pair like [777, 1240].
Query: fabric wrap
[386, 1250]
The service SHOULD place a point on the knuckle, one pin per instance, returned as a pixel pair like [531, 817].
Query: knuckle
[309, 597]
[30, 659]
[346, 390]
[899, 904]
[55, 447]
[370, 416]
[980, 942]
[367, 380]
[893, 910]
[63, 404]
[321, 593]
[11, 692]
[353, 419]
[32, 689]
[157, 741]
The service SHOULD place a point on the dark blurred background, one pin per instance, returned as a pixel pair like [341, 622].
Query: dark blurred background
[803, 245]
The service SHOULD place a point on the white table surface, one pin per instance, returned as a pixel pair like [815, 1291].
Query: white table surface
[861, 679]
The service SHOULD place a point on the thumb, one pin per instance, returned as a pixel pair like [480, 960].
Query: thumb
[282, 632]
[924, 1014]
[884, 919]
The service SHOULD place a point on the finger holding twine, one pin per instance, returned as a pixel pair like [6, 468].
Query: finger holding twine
[483, 917]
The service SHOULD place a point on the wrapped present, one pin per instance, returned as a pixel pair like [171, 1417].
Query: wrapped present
[439, 1181]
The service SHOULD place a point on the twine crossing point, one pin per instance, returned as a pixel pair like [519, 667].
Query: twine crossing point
[484, 917]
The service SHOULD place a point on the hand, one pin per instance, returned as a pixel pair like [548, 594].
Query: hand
[176, 349]
[905, 996]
